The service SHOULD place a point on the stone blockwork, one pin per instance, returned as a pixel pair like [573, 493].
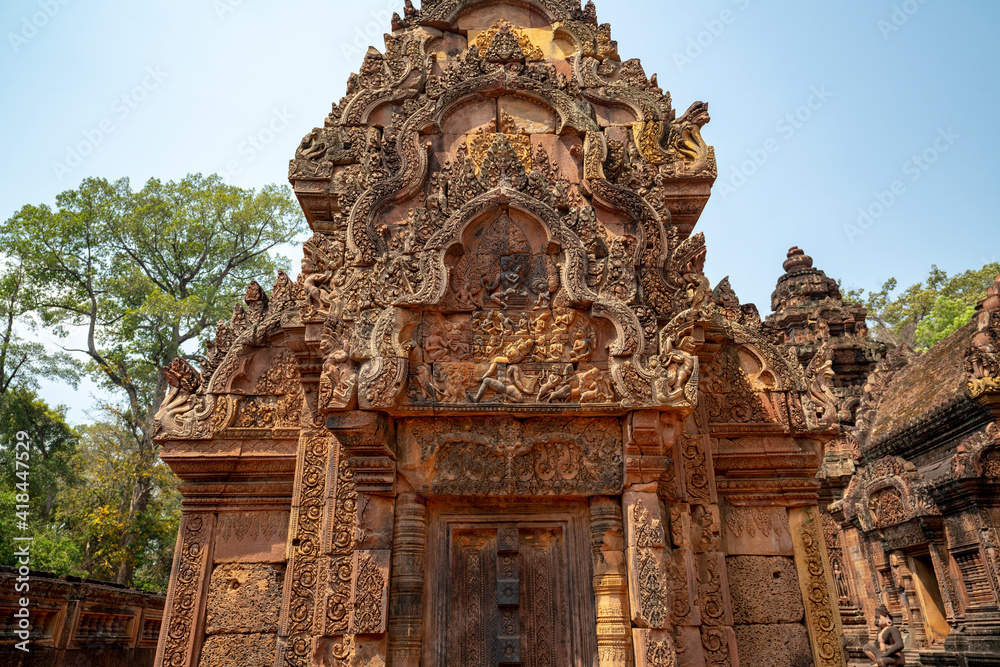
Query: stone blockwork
[775, 645]
[249, 650]
[764, 590]
[501, 416]
[76, 622]
[909, 487]
[244, 599]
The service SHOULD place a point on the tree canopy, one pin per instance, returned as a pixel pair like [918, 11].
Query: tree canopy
[132, 279]
[929, 311]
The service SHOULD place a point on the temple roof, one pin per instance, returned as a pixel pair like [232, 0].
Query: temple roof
[927, 401]
[931, 381]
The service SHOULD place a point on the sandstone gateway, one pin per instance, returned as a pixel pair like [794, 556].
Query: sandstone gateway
[502, 418]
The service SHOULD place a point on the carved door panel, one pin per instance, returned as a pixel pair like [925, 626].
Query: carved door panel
[508, 597]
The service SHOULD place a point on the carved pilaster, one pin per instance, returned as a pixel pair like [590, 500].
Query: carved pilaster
[298, 611]
[610, 583]
[340, 541]
[647, 557]
[183, 616]
[406, 596]
[818, 590]
[645, 546]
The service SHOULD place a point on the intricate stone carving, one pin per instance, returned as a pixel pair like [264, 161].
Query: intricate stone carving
[820, 402]
[503, 457]
[405, 607]
[716, 644]
[652, 589]
[503, 297]
[486, 37]
[657, 649]
[818, 591]
[610, 582]
[370, 592]
[646, 555]
[301, 595]
[676, 380]
[886, 492]
[982, 359]
[182, 618]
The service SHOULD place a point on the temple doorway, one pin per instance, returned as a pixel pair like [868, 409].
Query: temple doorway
[929, 596]
[505, 588]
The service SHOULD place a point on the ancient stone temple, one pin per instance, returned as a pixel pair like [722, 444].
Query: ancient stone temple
[501, 418]
[910, 487]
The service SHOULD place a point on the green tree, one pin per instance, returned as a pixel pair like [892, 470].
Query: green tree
[41, 470]
[137, 276]
[23, 361]
[929, 311]
[85, 537]
[51, 444]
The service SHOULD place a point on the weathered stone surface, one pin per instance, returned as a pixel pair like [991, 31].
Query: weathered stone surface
[244, 598]
[779, 645]
[66, 616]
[764, 589]
[370, 591]
[756, 531]
[644, 523]
[687, 641]
[240, 650]
[251, 537]
[654, 648]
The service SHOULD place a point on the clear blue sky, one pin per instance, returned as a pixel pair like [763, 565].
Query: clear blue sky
[818, 109]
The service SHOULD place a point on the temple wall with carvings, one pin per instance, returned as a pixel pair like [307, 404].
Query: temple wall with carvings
[76, 621]
[501, 416]
[909, 492]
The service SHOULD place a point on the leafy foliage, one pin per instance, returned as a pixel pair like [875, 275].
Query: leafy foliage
[45, 471]
[96, 512]
[929, 311]
[51, 447]
[24, 361]
[138, 277]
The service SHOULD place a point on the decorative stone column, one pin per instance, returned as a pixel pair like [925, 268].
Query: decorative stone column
[818, 589]
[614, 631]
[182, 630]
[406, 595]
[299, 620]
[646, 555]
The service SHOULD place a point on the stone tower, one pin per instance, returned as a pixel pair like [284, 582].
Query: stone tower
[501, 418]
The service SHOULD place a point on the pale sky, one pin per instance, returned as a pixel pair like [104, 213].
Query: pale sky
[818, 109]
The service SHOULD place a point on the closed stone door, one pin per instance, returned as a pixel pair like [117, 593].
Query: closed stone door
[507, 598]
[512, 595]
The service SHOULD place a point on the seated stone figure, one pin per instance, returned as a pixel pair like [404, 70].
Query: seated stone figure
[889, 650]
